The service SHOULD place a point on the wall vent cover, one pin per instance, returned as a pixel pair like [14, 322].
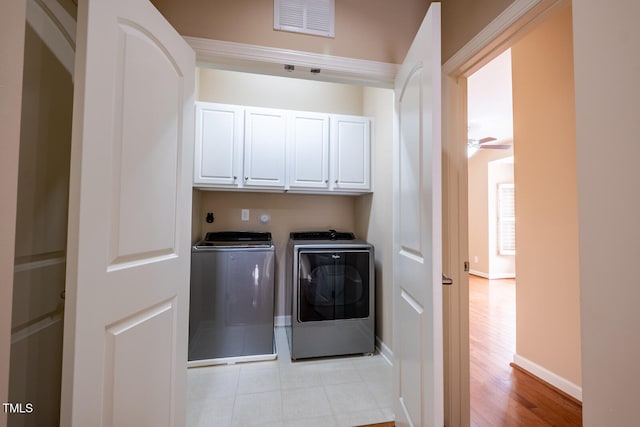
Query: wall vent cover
[314, 17]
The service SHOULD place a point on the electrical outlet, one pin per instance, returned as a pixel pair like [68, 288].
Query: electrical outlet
[244, 216]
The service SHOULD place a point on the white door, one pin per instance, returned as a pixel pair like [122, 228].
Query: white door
[126, 318]
[265, 147]
[417, 338]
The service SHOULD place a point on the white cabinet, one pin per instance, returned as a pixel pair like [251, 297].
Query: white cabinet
[308, 160]
[350, 153]
[219, 139]
[265, 147]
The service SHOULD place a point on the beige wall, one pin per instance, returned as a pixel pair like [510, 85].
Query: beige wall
[292, 212]
[482, 214]
[607, 67]
[548, 294]
[463, 19]
[289, 212]
[258, 90]
[377, 30]
[373, 220]
[12, 23]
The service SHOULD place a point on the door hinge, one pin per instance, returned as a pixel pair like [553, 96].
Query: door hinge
[466, 266]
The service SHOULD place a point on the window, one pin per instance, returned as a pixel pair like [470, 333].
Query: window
[506, 219]
[305, 16]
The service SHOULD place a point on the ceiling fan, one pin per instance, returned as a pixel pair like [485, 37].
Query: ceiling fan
[484, 143]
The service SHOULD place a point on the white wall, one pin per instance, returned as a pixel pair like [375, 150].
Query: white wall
[607, 66]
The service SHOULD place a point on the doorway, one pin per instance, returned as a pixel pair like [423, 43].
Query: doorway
[536, 265]
[492, 302]
[41, 225]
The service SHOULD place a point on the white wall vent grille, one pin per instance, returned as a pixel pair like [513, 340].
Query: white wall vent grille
[305, 16]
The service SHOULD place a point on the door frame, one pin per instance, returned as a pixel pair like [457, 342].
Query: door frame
[492, 40]
[12, 27]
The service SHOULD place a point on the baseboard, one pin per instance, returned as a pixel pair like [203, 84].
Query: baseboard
[502, 276]
[492, 276]
[479, 273]
[279, 321]
[549, 377]
[384, 351]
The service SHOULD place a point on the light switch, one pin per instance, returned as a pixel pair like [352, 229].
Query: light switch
[244, 216]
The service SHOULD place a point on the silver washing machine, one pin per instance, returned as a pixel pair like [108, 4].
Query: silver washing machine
[232, 298]
[330, 294]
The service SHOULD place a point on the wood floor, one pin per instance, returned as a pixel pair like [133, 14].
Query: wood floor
[500, 394]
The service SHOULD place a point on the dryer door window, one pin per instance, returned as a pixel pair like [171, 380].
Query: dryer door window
[333, 285]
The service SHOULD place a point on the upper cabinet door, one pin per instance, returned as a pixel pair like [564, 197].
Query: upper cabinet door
[350, 153]
[265, 147]
[309, 150]
[218, 150]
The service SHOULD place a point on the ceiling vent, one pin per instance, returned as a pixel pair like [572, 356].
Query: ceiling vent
[314, 17]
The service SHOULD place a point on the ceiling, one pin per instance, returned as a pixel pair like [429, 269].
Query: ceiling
[489, 101]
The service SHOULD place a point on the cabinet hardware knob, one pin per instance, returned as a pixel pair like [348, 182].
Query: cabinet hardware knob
[326, 181]
[246, 178]
[235, 177]
[336, 181]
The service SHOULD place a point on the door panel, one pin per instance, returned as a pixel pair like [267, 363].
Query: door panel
[126, 317]
[309, 136]
[418, 344]
[123, 405]
[350, 153]
[265, 147]
[219, 144]
[145, 160]
[410, 167]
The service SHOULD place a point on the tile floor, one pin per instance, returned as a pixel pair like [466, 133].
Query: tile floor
[328, 392]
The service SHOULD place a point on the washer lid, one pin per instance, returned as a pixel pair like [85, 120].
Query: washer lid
[236, 238]
[322, 235]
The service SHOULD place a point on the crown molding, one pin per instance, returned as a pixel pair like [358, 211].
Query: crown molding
[268, 60]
